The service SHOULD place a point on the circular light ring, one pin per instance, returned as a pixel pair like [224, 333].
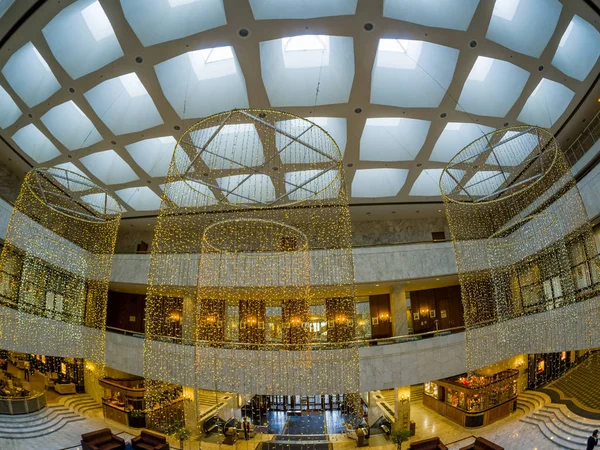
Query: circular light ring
[264, 121]
[62, 190]
[545, 163]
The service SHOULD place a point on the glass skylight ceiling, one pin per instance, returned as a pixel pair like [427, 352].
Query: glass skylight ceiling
[373, 183]
[185, 194]
[454, 138]
[74, 90]
[74, 186]
[392, 139]
[4, 6]
[248, 188]
[9, 111]
[305, 9]
[428, 182]
[203, 82]
[33, 142]
[452, 14]
[546, 104]
[411, 73]
[140, 198]
[102, 203]
[295, 61]
[156, 21]
[82, 39]
[524, 26]
[312, 184]
[492, 87]
[124, 105]
[506, 155]
[109, 167]
[70, 126]
[578, 49]
[153, 155]
[30, 76]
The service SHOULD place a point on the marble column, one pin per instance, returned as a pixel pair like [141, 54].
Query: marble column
[398, 306]
[401, 408]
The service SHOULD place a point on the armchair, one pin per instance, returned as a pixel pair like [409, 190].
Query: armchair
[102, 440]
[149, 441]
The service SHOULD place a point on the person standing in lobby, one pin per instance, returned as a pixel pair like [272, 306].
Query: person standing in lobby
[592, 440]
[246, 427]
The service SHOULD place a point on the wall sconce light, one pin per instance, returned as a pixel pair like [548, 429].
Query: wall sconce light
[211, 319]
[251, 321]
[175, 316]
[384, 317]
[341, 319]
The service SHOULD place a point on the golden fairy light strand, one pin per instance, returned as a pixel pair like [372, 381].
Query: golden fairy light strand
[524, 247]
[254, 236]
[55, 267]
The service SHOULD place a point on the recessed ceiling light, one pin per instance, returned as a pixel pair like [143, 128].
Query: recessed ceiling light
[439, 210]
[376, 285]
[437, 279]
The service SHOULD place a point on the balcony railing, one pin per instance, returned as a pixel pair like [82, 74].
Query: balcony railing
[584, 142]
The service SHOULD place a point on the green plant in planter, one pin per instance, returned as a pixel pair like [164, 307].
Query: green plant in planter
[183, 434]
[400, 436]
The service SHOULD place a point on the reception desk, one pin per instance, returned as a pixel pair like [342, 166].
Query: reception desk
[473, 401]
[22, 405]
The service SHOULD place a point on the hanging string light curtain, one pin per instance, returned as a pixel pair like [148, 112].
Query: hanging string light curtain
[254, 235]
[55, 266]
[525, 251]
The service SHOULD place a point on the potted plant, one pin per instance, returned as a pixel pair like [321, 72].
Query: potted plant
[137, 418]
[400, 436]
[183, 434]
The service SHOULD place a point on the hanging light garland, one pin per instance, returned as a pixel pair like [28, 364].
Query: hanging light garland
[254, 235]
[55, 267]
[525, 251]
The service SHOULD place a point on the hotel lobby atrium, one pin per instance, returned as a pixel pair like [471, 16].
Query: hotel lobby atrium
[299, 224]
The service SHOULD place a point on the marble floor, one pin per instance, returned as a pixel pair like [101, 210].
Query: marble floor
[511, 433]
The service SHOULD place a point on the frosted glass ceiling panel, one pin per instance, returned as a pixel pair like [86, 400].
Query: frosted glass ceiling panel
[4, 6]
[30, 76]
[312, 184]
[373, 183]
[102, 203]
[546, 104]
[156, 21]
[124, 105]
[484, 183]
[427, 183]
[234, 147]
[153, 155]
[9, 111]
[578, 49]
[82, 39]
[392, 139]
[70, 126]
[452, 14]
[33, 142]
[109, 167]
[204, 82]
[301, 9]
[248, 189]
[291, 77]
[140, 198]
[411, 73]
[189, 194]
[524, 26]
[492, 87]
[77, 186]
[510, 155]
[293, 152]
[454, 138]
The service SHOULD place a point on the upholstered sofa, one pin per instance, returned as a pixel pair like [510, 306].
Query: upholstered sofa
[102, 440]
[149, 441]
[482, 444]
[428, 444]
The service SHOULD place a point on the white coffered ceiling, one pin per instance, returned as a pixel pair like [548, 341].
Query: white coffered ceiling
[106, 87]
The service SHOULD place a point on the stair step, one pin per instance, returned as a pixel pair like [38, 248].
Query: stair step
[563, 411]
[46, 428]
[556, 430]
[567, 423]
[29, 417]
[35, 422]
[42, 433]
[557, 441]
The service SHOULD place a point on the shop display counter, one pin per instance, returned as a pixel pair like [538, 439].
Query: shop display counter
[23, 405]
[473, 401]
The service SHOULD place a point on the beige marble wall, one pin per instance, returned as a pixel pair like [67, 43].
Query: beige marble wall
[395, 231]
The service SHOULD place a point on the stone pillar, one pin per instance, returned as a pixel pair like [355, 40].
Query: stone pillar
[401, 408]
[374, 409]
[398, 306]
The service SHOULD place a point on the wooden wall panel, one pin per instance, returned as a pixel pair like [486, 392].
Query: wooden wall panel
[381, 323]
[446, 305]
[125, 311]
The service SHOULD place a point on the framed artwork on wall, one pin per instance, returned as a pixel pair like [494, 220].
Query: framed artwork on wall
[432, 314]
[416, 316]
[374, 321]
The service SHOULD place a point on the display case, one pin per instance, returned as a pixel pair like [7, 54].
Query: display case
[473, 401]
